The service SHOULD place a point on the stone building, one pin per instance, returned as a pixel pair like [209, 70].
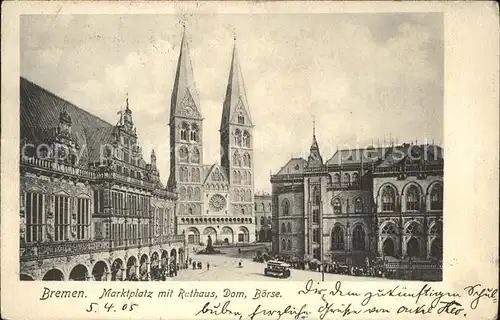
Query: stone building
[263, 219]
[91, 208]
[372, 202]
[215, 200]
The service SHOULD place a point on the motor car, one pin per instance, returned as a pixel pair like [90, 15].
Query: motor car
[276, 268]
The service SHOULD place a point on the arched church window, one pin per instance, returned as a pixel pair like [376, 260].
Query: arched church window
[183, 154]
[337, 238]
[194, 133]
[316, 196]
[337, 207]
[241, 118]
[388, 199]
[184, 131]
[246, 139]
[237, 137]
[358, 238]
[358, 205]
[437, 197]
[195, 155]
[412, 199]
[286, 207]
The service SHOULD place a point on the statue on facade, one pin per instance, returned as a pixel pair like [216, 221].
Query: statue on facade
[49, 230]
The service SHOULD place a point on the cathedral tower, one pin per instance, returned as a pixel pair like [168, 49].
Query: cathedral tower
[186, 136]
[236, 137]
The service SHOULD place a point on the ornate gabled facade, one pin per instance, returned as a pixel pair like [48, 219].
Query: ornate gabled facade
[214, 200]
[373, 202]
[91, 207]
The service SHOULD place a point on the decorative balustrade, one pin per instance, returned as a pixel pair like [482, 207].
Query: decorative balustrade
[287, 177]
[321, 169]
[165, 193]
[346, 185]
[58, 167]
[44, 250]
[111, 175]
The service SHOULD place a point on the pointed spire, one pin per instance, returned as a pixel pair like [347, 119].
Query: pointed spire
[126, 101]
[236, 97]
[314, 144]
[184, 93]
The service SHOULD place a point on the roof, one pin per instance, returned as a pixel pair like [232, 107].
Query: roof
[412, 153]
[353, 156]
[39, 114]
[236, 97]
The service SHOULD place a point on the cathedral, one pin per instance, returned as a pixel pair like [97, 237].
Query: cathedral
[215, 200]
[375, 202]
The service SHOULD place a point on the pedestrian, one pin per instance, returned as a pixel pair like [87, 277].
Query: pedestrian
[208, 266]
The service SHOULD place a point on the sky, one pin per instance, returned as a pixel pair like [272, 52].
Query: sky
[359, 77]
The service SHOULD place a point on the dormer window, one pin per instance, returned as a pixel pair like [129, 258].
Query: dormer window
[241, 119]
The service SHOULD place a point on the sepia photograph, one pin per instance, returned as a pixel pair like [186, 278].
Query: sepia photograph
[226, 147]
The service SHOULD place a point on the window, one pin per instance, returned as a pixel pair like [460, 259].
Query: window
[193, 135]
[289, 245]
[388, 199]
[437, 197]
[98, 201]
[190, 210]
[34, 208]
[83, 219]
[261, 221]
[315, 235]
[355, 177]
[184, 131]
[246, 139]
[315, 216]
[337, 207]
[283, 244]
[336, 179]
[414, 229]
[316, 196]
[183, 154]
[283, 229]
[61, 221]
[289, 227]
[389, 228]
[241, 119]
[346, 179]
[358, 205]
[237, 137]
[126, 157]
[337, 238]
[412, 199]
[358, 238]
[286, 207]
[195, 155]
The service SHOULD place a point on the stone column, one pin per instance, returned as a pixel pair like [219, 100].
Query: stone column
[148, 264]
[124, 273]
[137, 271]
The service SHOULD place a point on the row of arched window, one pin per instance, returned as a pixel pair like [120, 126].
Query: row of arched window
[345, 178]
[186, 156]
[265, 221]
[413, 228]
[242, 177]
[189, 194]
[241, 161]
[189, 132]
[262, 207]
[242, 138]
[189, 175]
[357, 238]
[337, 205]
[190, 209]
[242, 195]
[412, 198]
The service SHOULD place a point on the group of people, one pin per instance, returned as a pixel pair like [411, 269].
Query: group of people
[197, 265]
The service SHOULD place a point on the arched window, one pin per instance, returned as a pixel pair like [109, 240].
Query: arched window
[184, 131]
[262, 221]
[286, 207]
[184, 174]
[389, 229]
[183, 154]
[355, 177]
[337, 207]
[358, 205]
[190, 211]
[437, 228]
[193, 136]
[241, 118]
[283, 229]
[316, 196]
[414, 229]
[237, 137]
[437, 248]
[289, 227]
[337, 238]
[195, 155]
[246, 138]
[358, 238]
[346, 179]
[283, 244]
[289, 245]
[336, 179]
[190, 193]
[196, 194]
[263, 208]
[437, 197]
[412, 199]
[182, 192]
[388, 199]
[236, 159]
[195, 174]
[242, 210]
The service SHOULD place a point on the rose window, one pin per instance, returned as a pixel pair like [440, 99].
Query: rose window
[217, 203]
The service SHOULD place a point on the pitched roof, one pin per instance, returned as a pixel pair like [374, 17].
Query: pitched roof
[236, 97]
[39, 114]
[293, 166]
[353, 156]
[184, 91]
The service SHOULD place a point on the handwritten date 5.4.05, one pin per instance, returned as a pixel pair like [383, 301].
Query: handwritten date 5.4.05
[110, 307]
